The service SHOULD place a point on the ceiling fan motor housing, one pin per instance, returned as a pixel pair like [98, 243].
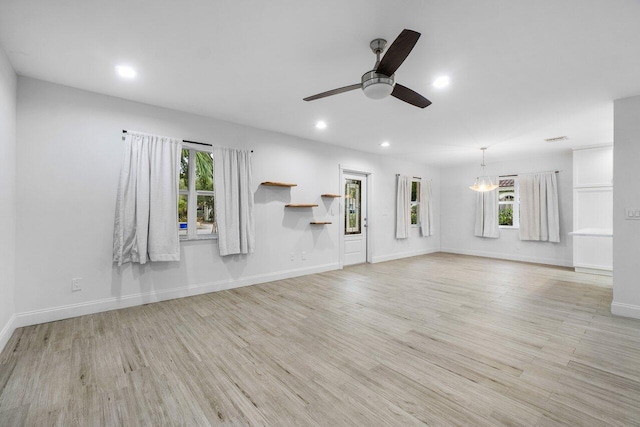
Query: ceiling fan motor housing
[376, 85]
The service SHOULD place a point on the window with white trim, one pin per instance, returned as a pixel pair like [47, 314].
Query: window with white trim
[508, 203]
[196, 212]
[415, 202]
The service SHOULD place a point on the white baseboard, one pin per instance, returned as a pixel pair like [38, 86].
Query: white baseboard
[7, 331]
[391, 257]
[594, 270]
[510, 257]
[91, 307]
[626, 310]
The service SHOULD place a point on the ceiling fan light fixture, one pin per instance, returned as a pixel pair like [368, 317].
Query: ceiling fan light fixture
[376, 85]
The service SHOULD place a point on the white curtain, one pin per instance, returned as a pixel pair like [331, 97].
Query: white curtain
[426, 208]
[146, 221]
[539, 216]
[487, 213]
[233, 200]
[403, 207]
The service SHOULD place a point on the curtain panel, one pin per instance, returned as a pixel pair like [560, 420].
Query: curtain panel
[146, 218]
[486, 224]
[539, 213]
[234, 201]
[403, 207]
[426, 209]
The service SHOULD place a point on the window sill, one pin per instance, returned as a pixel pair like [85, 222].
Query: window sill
[509, 227]
[199, 238]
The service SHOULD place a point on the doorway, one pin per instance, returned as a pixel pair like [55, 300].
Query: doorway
[355, 226]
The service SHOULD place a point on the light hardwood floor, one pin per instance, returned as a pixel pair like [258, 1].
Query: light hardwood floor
[439, 339]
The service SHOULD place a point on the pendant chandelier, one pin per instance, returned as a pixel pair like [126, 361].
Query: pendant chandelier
[483, 183]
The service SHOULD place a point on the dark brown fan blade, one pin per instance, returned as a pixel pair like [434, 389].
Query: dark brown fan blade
[405, 94]
[333, 92]
[398, 52]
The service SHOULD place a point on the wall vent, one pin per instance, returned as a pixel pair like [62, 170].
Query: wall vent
[557, 139]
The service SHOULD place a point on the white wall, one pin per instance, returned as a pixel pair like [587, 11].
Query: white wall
[7, 196]
[457, 207]
[626, 233]
[69, 154]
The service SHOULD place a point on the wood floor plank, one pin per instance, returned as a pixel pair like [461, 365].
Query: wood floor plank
[439, 339]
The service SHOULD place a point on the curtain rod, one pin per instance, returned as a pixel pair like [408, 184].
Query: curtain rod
[184, 140]
[417, 177]
[515, 174]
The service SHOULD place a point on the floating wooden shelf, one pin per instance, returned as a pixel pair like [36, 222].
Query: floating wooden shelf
[320, 222]
[331, 195]
[301, 205]
[278, 184]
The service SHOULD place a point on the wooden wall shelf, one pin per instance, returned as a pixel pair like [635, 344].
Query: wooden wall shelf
[278, 184]
[331, 195]
[320, 222]
[301, 205]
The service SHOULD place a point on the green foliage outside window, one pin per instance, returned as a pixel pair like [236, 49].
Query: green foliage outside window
[415, 200]
[505, 216]
[204, 171]
[182, 208]
[414, 214]
[184, 170]
[204, 199]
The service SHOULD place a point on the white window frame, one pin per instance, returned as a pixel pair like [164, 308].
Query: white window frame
[418, 202]
[515, 203]
[192, 197]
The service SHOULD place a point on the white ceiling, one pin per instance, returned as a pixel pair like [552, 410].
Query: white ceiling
[520, 71]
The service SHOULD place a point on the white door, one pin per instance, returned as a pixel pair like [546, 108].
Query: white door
[355, 218]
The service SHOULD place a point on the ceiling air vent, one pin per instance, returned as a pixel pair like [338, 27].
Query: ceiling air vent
[557, 139]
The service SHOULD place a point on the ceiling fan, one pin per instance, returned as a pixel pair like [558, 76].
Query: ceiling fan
[380, 82]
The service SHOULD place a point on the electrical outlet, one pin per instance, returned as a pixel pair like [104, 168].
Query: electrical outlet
[293, 257]
[304, 256]
[632, 213]
[76, 284]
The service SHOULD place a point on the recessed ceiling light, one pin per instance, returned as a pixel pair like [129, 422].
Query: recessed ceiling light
[442, 81]
[126, 71]
[321, 125]
[385, 144]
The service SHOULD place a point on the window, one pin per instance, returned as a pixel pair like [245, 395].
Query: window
[352, 212]
[508, 203]
[196, 214]
[415, 202]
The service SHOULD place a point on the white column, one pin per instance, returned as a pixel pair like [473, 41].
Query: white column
[626, 184]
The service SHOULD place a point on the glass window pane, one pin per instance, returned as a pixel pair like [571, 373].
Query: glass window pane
[204, 171]
[415, 191]
[183, 200]
[206, 216]
[506, 192]
[352, 212]
[184, 170]
[505, 214]
[415, 211]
